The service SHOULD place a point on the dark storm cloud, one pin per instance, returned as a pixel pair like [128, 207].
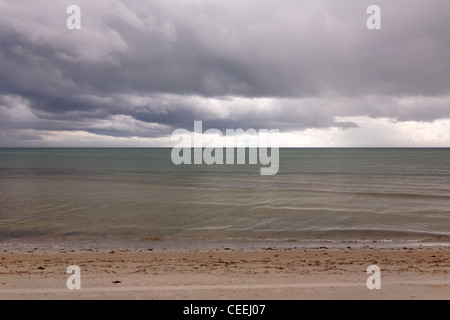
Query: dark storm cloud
[153, 66]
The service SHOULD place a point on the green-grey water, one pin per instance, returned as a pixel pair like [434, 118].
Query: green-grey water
[137, 195]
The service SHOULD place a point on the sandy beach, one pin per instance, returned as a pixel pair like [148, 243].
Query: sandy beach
[227, 274]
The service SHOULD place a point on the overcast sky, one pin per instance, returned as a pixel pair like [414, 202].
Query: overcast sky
[137, 70]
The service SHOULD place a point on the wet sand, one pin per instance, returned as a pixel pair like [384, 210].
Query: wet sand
[227, 274]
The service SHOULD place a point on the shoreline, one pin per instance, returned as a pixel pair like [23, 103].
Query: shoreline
[54, 245]
[254, 274]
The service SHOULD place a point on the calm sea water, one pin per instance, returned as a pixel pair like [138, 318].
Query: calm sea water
[125, 196]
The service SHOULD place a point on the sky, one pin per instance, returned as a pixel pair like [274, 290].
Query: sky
[137, 70]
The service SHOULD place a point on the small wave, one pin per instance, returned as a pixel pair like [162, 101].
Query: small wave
[437, 238]
[403, 195]
[151, 239]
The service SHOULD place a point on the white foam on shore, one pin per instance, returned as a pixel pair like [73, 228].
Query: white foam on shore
[208, 245]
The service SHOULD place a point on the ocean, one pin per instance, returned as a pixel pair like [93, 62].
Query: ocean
[126, 197]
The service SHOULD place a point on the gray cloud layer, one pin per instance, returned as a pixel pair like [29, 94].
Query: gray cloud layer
[143, 68]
